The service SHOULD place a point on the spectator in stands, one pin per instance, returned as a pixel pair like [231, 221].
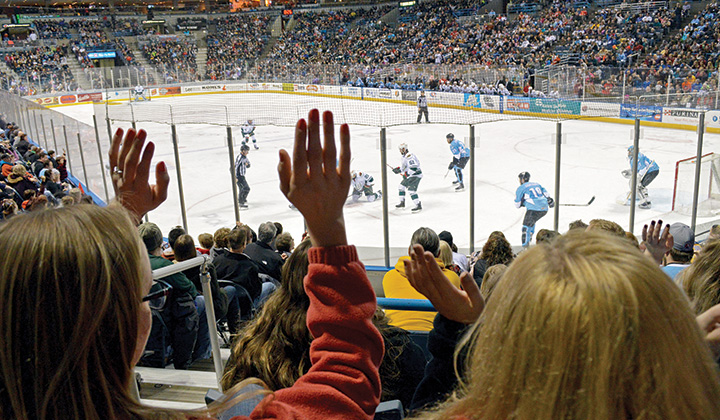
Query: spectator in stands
[275, 345]
[445, 255]
[497, 250]
[577, 224]
[263, 254]
[181, 316]
[206, 242]
[546, 235]
[21, 181]
[67, 201]
[459, 259]
[701, 281]
[62, 167]
[220, 242]
[396, 285]
[533, 321]
[176, 232]
[490, 280]
[223, 298]
[94, 346]
[606, 226]
[22, 145]
[285, 244]
[678, 257]
[234, 265]
[9, 209]
[7, 161]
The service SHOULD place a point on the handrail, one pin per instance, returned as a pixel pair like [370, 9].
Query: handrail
[406, 304]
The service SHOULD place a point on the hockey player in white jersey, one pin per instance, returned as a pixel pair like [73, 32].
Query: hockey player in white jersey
[363, 184]
[248, 132]
[412, 174]
[139, 93]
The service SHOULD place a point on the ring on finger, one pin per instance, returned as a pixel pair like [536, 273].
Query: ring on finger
[117, 171]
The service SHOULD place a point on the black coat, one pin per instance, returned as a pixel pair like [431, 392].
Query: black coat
[269, 261]
[240, 269]
[220, 298]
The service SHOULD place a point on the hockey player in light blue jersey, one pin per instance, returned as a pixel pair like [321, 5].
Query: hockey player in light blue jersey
[647, 171]
[461, 155]
[536, 200]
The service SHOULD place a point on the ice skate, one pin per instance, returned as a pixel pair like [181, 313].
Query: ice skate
[417, 208]
[460, 187]
[256, 146]
[400, 206]
[456, 182]
[243, 206]
[646, 205]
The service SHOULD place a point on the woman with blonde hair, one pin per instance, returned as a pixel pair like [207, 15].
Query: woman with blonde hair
[75, 281]
[587, 328]
[701, 281]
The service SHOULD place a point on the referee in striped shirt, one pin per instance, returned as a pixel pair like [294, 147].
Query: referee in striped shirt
[241, 165]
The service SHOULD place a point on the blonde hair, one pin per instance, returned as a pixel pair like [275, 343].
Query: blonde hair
[445, 254]
[587, 328]
[701, 281]
[490, 279]
[69, 325]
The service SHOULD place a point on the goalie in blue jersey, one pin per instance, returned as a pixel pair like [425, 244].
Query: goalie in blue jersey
[536, 200]
[647, 171]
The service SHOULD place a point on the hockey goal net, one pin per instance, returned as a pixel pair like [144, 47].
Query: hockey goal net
[708, 191]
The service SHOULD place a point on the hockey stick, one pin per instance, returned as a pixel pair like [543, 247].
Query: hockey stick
[446, 173]
[580, 205]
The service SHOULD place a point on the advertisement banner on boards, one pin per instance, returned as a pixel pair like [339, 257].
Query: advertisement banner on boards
[554, 106]
[712, 119]
[681, 116]
[642, 112]
[491, 102]
[68, 99]
[409, 95]
[299, 88]
[288, 87]
[599, 109]
[517, 104]
[203, 88]
[371, 93]
[90, 97]
[164, 91]
[52, 100]
[350, 91]
[385, 93]
[472, 100]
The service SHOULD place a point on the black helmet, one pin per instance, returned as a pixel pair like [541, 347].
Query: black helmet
[450, 136]
[525, 176]
[244, 148]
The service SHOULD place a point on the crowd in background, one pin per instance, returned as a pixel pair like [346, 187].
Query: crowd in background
[616, 49]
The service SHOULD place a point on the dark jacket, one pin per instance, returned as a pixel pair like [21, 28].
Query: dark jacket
[21, 184]
[56, 189]
[269, 261]
[439, 379]
[220, 298]
[240, 269]
[22, 147]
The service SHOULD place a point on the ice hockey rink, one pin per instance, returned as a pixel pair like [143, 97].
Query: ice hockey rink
[593, 156]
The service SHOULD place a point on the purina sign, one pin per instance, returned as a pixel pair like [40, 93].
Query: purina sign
[681, 116]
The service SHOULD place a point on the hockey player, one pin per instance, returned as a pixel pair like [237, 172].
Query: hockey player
[647, 170]
[422, 105]
[410, 170]
[248, 132]
[536, 200]
[461, 155]
[241, 164]
[139, 93]
[363, 184]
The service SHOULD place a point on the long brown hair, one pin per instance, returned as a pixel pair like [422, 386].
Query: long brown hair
[587, 328]
[71, 287]
[275, 345]
[497, 250]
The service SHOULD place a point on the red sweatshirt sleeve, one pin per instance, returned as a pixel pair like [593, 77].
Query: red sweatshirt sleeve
[343, 382]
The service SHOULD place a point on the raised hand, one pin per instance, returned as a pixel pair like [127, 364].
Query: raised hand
[130, 173]
[709, 323]
[426, 277]
[656, 241]
[313, 182]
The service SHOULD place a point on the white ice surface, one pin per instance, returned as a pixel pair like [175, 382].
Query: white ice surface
[593, 155]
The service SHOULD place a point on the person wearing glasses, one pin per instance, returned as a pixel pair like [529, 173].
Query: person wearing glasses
[73, 282]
